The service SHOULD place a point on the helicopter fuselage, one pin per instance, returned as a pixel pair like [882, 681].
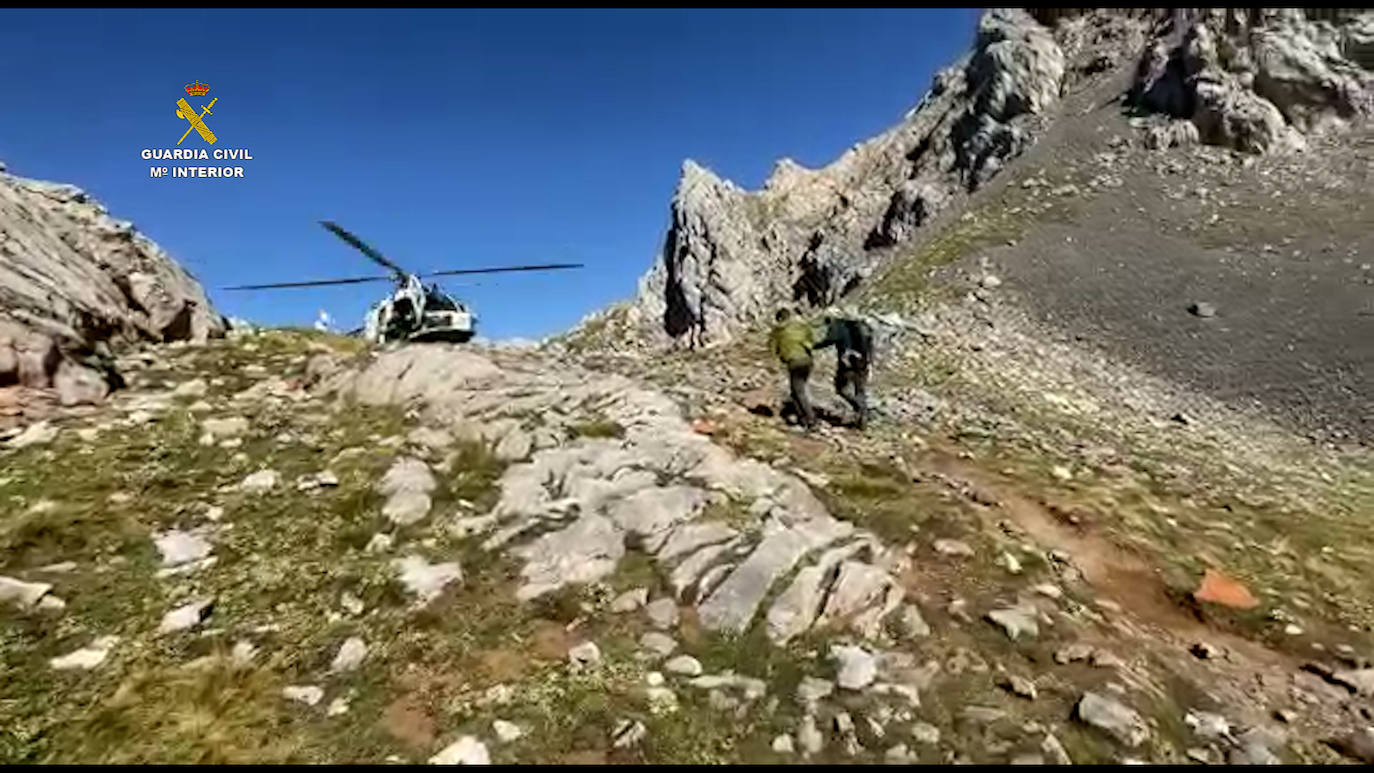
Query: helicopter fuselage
[415, 312]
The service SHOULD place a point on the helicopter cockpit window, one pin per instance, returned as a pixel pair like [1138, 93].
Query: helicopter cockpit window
[437, 301]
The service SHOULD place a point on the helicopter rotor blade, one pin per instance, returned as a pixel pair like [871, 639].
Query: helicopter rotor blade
[361, 247]
[315, 283]
[497, 269]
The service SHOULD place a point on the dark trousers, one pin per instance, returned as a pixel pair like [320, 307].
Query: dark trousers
[852, 384]
[797, 376]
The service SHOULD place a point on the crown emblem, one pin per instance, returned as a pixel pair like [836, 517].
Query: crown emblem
[197, 89]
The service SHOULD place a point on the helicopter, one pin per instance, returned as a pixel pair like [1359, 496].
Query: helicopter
[415, 312]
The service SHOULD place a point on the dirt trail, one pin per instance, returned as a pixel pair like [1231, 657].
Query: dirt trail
[1124, 577]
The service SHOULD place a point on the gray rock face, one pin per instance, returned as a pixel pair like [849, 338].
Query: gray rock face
[1117, 720]
[1255, 79]
[731, 254]
[76, 284]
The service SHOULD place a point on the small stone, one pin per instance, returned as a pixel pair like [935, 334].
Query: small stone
[1029, 758]
[990, 282]
[663, 613]
[952, 547]
[1061, 472]
[898, 755]
[925, 733]
[958, 609]
[350, 655]
[1009, 562]
[214, 513]
[1286, 716]
[783, 744]
[1202, 309]
[426, 581]
[1020, 686]
[1049, 590]
[380, 543]
[242, 653]
[661, 699]
[810, 738]
[337, 707]
[630, 600]
[260, 481]
[309, 694]
[506, 731]
[1292, 630]
[1207, 726]
[1105, 659]
[658, 643]
[1108, 715]
[179, 547]
[351, 604]
[856, 667]
[1017, 621]
[51, 603]
[628, 734]
[193, 388]
[186, 616]
[87, 657]
[1217, 588]
[585, 655]
[1205, 651]
[465, 751]
[1055, 751]
[911, 624]
[683, 664]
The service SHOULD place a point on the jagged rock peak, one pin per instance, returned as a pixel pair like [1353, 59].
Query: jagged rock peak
[1255, 80]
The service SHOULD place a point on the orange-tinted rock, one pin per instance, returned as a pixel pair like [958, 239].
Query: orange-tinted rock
[1217, 588]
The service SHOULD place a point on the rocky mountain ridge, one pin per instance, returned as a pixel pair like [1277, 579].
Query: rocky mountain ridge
[76, 285]
[1252, 80]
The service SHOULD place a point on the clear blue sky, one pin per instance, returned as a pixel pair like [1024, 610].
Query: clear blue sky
[446, 138]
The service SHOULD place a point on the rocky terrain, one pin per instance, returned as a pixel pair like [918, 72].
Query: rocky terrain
[76, 285]
[1219, 157]
[1099, 517]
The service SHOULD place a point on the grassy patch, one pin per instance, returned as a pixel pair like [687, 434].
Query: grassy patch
[597, 428]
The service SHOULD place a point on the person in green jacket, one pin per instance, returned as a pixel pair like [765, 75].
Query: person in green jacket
[792, 341]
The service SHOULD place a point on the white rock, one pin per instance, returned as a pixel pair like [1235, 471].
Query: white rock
[506, 731]
[465, 751]
[37, 433]
[585, 655]
[426, 580]
[51, 603]
[783, 744]
[926, 733]
[308, 694]
[262, 480]
[683, 664]
[856, 667]
[350, 655]
[22, 594]
[87, 657]
[351, 604]
[214, 513]
[913, 626]
[186, 616]
[336, 707]
[812, 690]
[630, 600]
[179, 547]
[1061, 472]
[1017, 621]
[809, 736]
[380, 543]
[663, 613]
[1010, 563]
[225, 428]
[243, 652]
[953, 547]
[1049, 590]
[658, 643]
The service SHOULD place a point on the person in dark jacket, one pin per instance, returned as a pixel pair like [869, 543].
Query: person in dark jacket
[853, 342]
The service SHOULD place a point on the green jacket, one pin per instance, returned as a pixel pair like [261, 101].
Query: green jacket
[793, 341]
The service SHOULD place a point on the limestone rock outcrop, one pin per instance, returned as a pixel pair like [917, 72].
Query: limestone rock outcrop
[77, 284]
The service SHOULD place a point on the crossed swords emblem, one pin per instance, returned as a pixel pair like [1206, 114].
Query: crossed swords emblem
[184, 111]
